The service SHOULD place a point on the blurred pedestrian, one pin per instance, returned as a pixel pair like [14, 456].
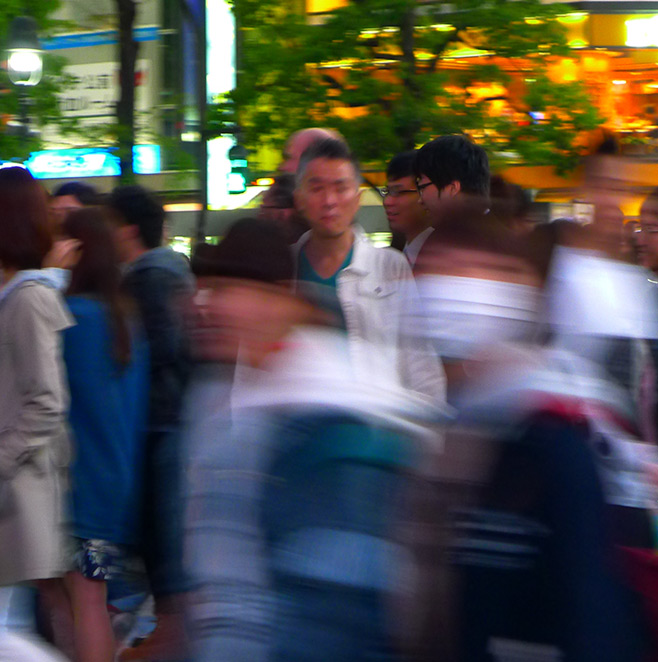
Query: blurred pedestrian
[34, 442]
[107, 368]
[533, 545]
[404, 210]
[305, 566]
[159, 280]
[366, 289]
[599, 306]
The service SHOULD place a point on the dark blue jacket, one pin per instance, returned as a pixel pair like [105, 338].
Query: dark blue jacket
[159, 280]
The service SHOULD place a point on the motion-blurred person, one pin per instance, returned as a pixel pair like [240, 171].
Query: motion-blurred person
[306, 566]
[488, 292]
[302, 140]
[404, 210]
[647, 233]
[597, 306]
[107, 368]
[34, 442]
[241, 312]
[69, 197]
[366, 289]
[159, 280]
[450, 166]
[539, 431]
[510, 204]
[278, 205]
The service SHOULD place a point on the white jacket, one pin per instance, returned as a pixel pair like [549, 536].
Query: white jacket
[376, 291]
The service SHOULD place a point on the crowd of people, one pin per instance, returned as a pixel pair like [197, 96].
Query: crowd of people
[297, 446]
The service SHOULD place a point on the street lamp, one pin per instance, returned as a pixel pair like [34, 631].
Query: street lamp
[24, 63]
[24, 58]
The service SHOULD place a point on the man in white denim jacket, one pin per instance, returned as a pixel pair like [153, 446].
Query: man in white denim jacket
[368, 289]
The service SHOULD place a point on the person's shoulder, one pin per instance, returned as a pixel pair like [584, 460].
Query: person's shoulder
[36, 299]
[86, 309]
[388, 259]
[34, 294]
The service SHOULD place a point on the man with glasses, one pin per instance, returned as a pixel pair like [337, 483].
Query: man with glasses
[449, 166]
[406, 215]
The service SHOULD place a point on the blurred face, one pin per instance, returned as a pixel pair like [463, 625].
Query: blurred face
[404, 210]
[234, 316]
[328, 196]
[647, 238]
[60, 207]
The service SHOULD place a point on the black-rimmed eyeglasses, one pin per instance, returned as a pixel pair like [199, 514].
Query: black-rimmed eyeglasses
[397, 192]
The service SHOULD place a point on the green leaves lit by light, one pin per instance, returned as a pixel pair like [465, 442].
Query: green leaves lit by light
[572, 18]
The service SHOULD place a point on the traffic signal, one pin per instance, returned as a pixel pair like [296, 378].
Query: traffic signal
[238, 178]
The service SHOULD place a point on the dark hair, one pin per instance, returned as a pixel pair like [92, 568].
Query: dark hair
[25, 232]
[280, 194]
[137, 206]
[98, 272]
[327, 148]
[401, 165]
[454, 158]
[253, 248]
[508, 201]
[86, 195]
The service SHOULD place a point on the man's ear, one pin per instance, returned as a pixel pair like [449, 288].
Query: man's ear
[453, 188]
[127, 232]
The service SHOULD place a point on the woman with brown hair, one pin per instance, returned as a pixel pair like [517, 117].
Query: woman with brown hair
[33, 435]
[107, 364]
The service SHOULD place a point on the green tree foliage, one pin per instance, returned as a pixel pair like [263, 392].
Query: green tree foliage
[381, 72]
[41, 100]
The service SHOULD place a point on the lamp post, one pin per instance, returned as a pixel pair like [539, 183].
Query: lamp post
[24, 62]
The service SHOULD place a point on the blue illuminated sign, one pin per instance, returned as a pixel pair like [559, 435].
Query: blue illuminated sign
[76, 163]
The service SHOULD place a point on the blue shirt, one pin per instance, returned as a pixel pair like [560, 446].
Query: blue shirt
[108, 415]
[322, 291]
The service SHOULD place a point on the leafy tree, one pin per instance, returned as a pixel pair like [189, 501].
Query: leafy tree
[41, 100]
[383, 72]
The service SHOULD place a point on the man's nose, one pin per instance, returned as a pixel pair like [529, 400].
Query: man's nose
[330, 197]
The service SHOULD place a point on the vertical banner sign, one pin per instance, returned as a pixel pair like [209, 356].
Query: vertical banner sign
[220, 63]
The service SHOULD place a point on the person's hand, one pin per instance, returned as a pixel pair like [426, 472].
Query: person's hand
[63, 255]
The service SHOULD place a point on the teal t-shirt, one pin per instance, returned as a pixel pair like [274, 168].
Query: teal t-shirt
[322, 291]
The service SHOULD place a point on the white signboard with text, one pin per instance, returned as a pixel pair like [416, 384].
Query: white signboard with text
[92, 97]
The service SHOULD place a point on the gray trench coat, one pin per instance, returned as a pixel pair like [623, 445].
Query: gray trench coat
[34, 445]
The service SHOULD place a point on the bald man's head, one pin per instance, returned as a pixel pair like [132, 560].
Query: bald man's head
[299, 141]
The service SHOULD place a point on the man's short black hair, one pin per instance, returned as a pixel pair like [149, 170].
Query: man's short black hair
[401, 165]
[137, 206]
[454, 158]
[84, 193]
[327, 148]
